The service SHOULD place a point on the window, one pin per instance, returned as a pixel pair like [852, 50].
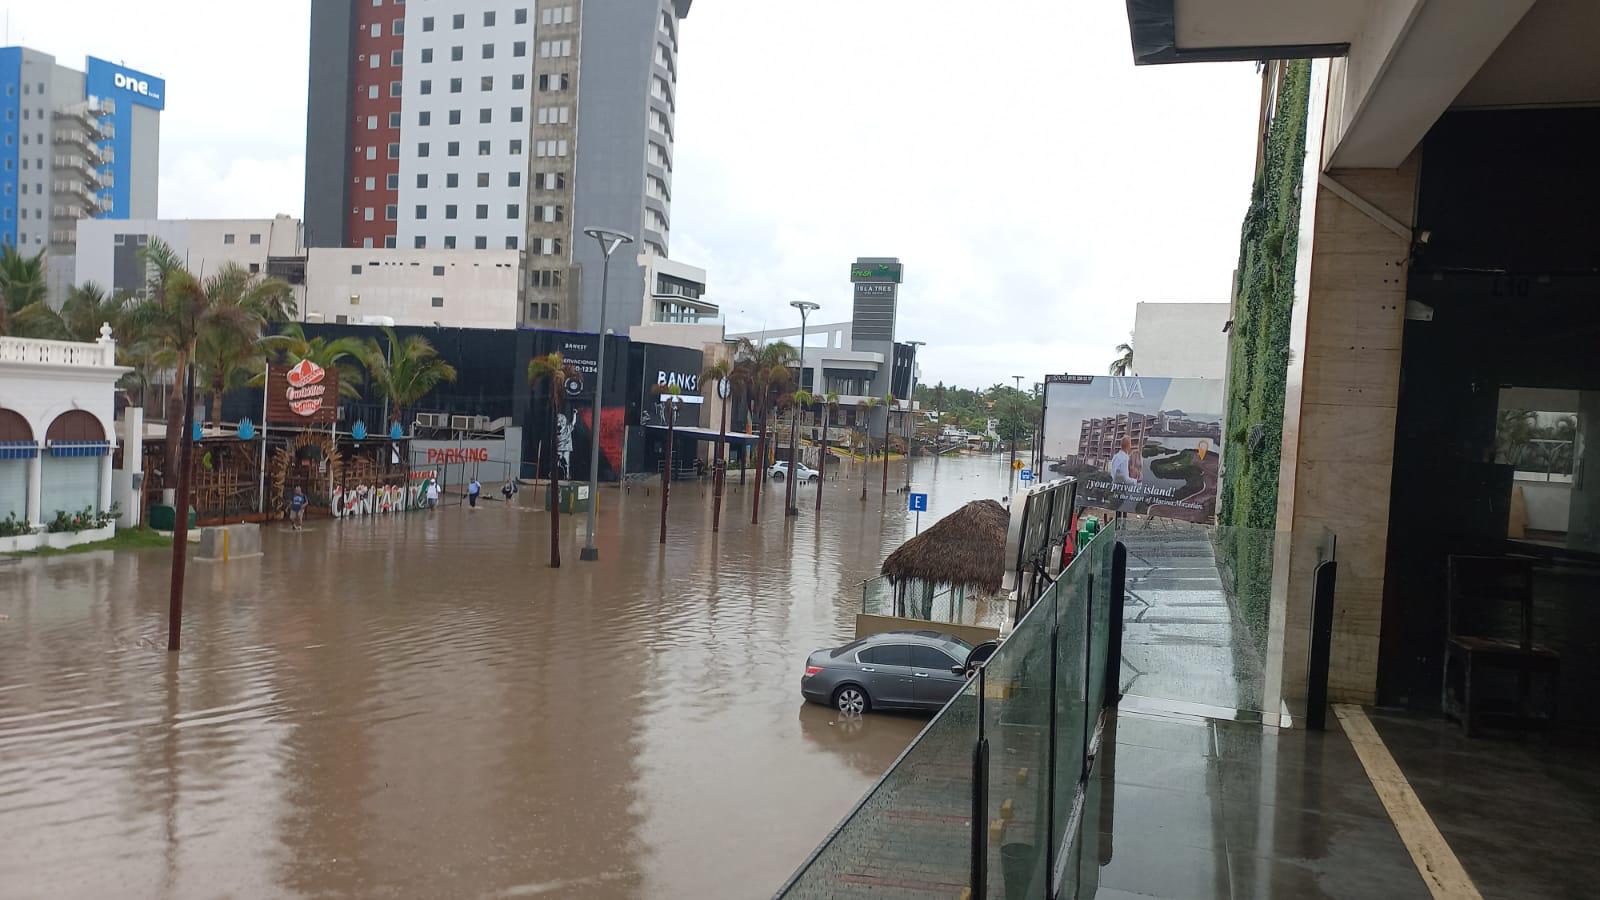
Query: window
[227, 239]
[394, 120]
[513, 179]
[455, 117]
[255, 239]
[392, 182]
[931, 658]
[486, 83]
[371, 183]
[355, 269]
[451, 180]
[391, 213]
[398, 26]
[455, 85]
[449, 210]
[422, 149]
[453, 148]
[437, 302]
[516, 147]
[511, 242]
[449, 242]
[485, 116]
[488, 19]
[422, 211]
[424, 118]
[255, 268]
[480, 243]
[426, 87]
[427, 54]
[483, 179]
[488, 51]
[394, 58]
[886, 655]
[341, 320]
[376, 29]
[419, 242]
[513, 210]
[394, 88]
[458, 21]
[422, 179]
[520, 17]
[374, 61]
[388, 241]
[483, 148]
[456, 53]
[372, 152]
[516, 114]
[427, 23]
[517, 82]
[519, 48]
[482, 211]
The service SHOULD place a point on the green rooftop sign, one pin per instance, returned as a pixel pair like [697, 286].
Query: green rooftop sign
[875, 272]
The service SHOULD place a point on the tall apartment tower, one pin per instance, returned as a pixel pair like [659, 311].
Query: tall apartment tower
[73, 145]
[498, 124]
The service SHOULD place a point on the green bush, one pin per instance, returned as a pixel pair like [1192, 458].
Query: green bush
[1264, 297]
[82, 520]
[11, 526]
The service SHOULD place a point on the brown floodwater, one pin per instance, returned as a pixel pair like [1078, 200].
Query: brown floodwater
[416, 706]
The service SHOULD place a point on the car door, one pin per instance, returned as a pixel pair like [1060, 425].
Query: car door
[933, 682]
[885, 671]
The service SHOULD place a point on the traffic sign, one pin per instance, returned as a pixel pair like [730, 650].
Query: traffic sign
[917, 502]
[1026, 474]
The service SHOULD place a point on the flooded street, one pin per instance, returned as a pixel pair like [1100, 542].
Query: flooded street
[416, 705]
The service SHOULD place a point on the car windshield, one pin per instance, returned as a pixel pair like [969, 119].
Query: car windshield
[957, 648]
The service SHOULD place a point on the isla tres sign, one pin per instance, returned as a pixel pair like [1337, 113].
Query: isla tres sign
[305, 394]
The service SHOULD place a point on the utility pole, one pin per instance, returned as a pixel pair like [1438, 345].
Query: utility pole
[911, 429]
[609, 240]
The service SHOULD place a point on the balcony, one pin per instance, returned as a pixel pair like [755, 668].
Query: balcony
[38, 352]
[77, 162]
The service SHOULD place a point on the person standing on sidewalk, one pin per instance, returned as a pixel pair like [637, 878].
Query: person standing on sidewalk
[473, 490]
[297, 510]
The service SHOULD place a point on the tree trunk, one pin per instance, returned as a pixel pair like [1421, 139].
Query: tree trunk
[719, 471]
[180, 523]
[886, 453]
[790, 490]
[216, 400]
[666, 480]
[822, 465]
[761, 468]
[174, 421]
[555, 488]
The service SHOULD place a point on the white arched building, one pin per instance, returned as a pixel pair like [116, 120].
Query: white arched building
[56, 426]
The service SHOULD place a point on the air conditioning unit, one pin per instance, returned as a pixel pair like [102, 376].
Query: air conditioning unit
[469, 423]
[432, 420]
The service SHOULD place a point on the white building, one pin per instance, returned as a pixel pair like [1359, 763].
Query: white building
[676, 311]
[110, 251]
[1181, 340]
[453, 288]
[56, 426]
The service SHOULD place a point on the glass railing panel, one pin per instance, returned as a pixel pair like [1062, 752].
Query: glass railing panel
[1072, 592]
[1103, 602]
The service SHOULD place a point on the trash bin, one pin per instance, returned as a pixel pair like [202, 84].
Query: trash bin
[574, 497]
[1016, 867]
[163, 518]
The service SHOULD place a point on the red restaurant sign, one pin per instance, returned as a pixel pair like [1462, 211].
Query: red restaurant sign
[305, 394]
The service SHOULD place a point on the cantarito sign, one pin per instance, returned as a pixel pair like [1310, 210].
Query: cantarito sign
[302, 394]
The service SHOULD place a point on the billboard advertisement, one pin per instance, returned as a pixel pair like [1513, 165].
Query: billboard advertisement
[1141, 445]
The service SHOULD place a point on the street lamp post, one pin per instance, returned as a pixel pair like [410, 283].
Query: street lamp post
[790, 507]
[911, 429]
[610, 240]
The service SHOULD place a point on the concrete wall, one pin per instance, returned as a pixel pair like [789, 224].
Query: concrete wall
[1180, 340]
[473, 289]
[204, 245]
[145, 163]
[328, 123]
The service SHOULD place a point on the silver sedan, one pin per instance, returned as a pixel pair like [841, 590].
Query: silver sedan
[893, 670]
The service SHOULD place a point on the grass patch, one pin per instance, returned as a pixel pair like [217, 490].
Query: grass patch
[140, 538]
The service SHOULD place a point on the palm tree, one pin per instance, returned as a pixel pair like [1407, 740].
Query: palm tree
[768, 373]
[22, 284]
[411, 369]
[552, 371]
[742, 380]
[670, 394]
[865, 408]
[342, 355]
[799, 400]
[830, 402]
[717, 374]
[1123, 364]
[888, 402]
[226, 358]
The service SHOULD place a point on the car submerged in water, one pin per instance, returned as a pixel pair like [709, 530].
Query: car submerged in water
[918, 670]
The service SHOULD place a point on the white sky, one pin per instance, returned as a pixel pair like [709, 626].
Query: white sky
[1035, 183]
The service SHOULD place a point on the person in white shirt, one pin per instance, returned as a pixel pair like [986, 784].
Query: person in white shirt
[1121, 462]
[433, 493]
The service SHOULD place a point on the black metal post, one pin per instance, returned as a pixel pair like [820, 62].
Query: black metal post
[980, 803]
[1119, 602]
[1321, 646]
[1091, 709]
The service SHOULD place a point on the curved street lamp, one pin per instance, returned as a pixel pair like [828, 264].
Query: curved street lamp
[610, 239]
[792, 508]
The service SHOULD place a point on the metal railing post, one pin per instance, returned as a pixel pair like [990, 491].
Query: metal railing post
[1321, 646]
[980, 801]
[1119, 602]
[1091, 709]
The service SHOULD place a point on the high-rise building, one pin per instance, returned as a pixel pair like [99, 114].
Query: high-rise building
[457, 124]
[73, 145]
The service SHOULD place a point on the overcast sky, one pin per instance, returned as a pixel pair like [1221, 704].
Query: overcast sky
[1034, 182]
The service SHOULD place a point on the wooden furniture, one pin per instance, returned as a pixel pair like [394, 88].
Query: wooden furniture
[1489, 628]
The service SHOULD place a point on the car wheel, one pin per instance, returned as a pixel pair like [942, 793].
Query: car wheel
[851, 700]
[777, 476]
[812, 479]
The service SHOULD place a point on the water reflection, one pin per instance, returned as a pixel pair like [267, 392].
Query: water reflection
[417, 706]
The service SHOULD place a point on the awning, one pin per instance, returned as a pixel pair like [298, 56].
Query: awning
[18, 449]
[79, 448]
[707, 434]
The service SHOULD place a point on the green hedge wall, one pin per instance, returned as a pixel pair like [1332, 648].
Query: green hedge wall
[1264, 295]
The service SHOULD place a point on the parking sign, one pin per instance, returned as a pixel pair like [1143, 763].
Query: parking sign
[1026, 474]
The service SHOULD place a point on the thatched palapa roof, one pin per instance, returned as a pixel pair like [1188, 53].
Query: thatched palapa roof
[966, 548]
